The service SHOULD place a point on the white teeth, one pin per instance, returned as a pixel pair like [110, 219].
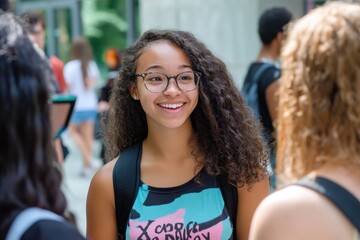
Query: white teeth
[172, 105]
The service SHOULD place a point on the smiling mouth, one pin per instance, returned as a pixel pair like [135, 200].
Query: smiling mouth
[172, 106]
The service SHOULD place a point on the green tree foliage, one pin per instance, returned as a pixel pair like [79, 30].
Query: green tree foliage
[105, 26]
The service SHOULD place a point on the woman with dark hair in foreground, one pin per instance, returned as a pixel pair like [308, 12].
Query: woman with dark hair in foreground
[30, 178]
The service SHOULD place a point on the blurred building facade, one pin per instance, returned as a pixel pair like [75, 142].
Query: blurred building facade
[227, 27]
[103, 22]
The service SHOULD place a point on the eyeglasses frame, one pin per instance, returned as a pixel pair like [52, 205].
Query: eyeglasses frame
[196, 74]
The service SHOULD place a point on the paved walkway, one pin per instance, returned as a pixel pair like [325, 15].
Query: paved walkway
[74, 186]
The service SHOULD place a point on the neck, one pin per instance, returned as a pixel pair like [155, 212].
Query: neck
[268, 52]
[170, 144]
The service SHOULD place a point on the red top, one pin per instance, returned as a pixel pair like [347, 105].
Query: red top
[58, 67]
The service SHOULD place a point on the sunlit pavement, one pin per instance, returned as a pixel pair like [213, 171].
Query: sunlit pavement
[75, 186]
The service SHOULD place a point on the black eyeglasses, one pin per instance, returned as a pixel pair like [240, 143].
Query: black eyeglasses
[156, 82]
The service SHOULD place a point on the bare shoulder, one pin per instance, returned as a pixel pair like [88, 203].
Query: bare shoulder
[291, 198]
[100, 205]
[102, 183]
[299, 213]
[106, 170]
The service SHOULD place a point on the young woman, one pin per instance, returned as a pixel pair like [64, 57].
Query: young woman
[30, 177]
[178, 101]
[318, 130]
[81, 75]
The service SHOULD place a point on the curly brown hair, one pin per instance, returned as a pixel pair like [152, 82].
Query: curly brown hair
[226, 132]
[319, 113]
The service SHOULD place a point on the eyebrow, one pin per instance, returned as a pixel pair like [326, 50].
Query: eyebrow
[161, 67]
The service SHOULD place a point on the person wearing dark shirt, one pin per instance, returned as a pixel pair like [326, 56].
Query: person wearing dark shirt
[271, 27]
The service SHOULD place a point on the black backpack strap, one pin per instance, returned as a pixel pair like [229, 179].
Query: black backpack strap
[343, 200]
[230, 195]
[126, 180]
[261, 70]
[257, 75]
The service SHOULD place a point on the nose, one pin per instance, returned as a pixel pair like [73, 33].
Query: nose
[172, 88]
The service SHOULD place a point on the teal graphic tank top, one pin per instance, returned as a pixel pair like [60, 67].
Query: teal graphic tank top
[194, 210]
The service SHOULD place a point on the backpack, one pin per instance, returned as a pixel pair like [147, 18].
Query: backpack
[339, 196]
[250, 90]
[126, 187]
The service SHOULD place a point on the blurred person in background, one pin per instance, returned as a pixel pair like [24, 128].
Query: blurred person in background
[265, 72]
[318, 131]
[112, 59]
[81, 75]
[58, 70]
[36, 29]
[31, 201]
[4, 5]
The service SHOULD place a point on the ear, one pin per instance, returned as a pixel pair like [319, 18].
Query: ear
[281, 36]
[133, 92]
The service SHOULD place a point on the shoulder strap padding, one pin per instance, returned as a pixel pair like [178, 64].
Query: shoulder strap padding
[339, 196]
[26, 218]
[126, 180]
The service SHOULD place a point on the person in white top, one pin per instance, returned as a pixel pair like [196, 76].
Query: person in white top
[81, 75]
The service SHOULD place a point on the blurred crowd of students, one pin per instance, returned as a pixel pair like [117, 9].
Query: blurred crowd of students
[79, 77]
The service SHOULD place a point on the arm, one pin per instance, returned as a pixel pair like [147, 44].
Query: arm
[94, 74]
[248, 200]
[58, 69]
[272, 99]
[100, 206]
[68, 72]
